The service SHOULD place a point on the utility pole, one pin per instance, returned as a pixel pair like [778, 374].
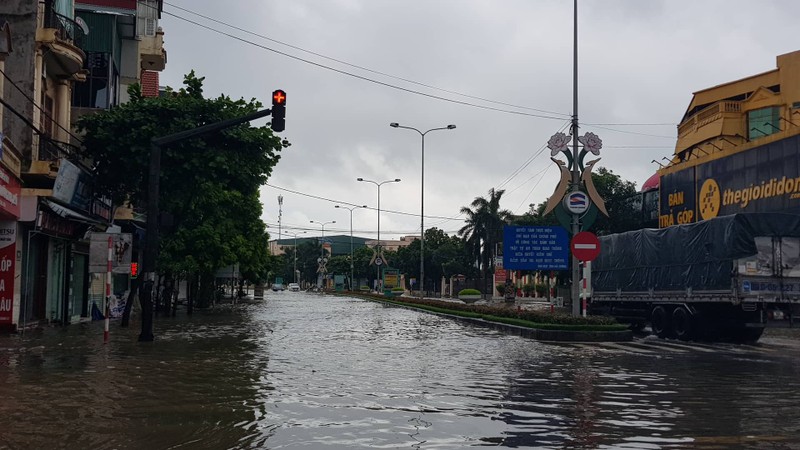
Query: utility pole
[576, 228]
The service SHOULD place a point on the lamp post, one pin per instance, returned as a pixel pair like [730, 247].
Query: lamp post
[379, 184]
[351, 238]
[295, 253]
[422, 202]
[322, 251]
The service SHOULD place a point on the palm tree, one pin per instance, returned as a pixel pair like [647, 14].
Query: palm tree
[484, 228]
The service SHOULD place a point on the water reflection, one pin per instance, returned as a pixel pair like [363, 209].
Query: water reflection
[303, 370]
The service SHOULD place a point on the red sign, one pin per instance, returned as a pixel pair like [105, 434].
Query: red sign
[585, 246]
[9, 195]
[499, 276]
[8, 245]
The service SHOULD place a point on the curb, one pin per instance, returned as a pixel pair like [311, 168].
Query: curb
[531, 333]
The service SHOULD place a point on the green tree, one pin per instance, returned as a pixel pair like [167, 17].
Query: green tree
[484, 229]
[208, 186]
[616, 193]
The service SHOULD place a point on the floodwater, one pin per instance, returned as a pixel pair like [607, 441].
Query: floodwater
[323, 372]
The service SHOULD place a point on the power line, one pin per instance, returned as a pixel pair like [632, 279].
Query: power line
[388, 211]
[33, 102]
[360, 77]
[629, 132]
[377, 72]
[363, 78]
[529, 161]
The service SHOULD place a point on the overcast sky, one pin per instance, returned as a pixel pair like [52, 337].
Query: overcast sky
[639, 62]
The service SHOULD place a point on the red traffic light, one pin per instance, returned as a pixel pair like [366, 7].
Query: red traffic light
[278, 97]
[134, 269]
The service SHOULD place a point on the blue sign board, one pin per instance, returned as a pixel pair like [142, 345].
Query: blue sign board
[535, 248]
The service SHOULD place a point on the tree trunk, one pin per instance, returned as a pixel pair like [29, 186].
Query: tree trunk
[146, 297]
[126, 315]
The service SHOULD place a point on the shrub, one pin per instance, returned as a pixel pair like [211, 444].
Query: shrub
[469, 292]
[528, 289]
[364, 288]
[501, 289]
[398, 289]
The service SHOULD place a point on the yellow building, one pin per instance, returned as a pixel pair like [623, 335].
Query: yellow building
[738, 149]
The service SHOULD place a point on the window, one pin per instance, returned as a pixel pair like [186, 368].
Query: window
[147, 18]
[99, 89]
[763, 122]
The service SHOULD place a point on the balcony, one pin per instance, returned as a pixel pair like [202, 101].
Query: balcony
[153, 55]
[61, 37]
[45, 166]
[723, 118]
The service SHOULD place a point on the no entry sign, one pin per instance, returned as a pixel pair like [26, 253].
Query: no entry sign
[585, 246]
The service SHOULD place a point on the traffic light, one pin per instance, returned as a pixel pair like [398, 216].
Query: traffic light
[134, 270]
[278, 110]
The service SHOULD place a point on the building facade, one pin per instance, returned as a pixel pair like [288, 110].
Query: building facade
[738, 149]
[60, 59]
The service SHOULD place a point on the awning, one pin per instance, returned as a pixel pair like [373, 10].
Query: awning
[67, 213]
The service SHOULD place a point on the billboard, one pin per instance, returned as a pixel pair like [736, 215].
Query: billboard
[121, 250]
[762, 179]
[535, 248]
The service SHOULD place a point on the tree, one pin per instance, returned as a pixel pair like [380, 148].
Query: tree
[616, 192]
[484, 228]
[208, 186]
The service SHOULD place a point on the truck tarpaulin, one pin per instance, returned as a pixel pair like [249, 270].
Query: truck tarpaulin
[700, 256]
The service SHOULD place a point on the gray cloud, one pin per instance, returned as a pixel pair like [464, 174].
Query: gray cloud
[639, 63]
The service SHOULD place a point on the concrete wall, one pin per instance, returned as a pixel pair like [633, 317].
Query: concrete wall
[21, 68]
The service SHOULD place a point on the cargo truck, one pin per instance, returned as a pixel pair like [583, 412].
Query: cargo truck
[724, 278]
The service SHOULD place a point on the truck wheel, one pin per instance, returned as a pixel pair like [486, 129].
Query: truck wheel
[682, 324]
[659, 321]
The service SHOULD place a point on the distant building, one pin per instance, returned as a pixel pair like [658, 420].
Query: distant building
[392, 245]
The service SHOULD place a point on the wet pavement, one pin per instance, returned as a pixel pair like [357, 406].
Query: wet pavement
[314, 371]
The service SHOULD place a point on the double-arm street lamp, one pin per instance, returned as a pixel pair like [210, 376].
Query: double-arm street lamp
[295, 253]
[351, 238]
[422, 202]
[322, 260]
[379, 184]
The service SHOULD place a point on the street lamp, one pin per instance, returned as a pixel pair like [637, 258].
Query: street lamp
[422, 202]
[351, 238]
[322, 251]
[295, 253]
[379, 184]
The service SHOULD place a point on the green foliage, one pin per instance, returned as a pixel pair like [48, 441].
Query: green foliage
[501, 289]
[398, 289]
[469, 292]
[525, 318]
[208, 185]
[484, 228]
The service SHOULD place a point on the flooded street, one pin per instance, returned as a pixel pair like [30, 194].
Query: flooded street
[309, 371]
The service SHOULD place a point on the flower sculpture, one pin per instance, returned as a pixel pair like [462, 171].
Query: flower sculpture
[591, 142]
[558, 143]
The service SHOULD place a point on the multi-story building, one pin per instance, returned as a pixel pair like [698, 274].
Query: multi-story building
[738, 149]
[59, 65]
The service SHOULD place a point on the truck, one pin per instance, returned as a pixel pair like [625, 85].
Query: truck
[725, 278]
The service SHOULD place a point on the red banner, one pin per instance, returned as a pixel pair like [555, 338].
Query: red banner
[10, 190]
[499, 276]
[8, 246]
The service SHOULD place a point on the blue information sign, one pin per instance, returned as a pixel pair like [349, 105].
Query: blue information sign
[535, 248]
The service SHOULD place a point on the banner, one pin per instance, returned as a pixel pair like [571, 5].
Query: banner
[8, 249]
[121, 250]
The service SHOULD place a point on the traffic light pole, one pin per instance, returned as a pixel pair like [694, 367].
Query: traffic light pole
[151, 237]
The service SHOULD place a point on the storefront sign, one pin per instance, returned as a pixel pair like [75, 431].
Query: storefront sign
[762, 179]
[8, 247]
[9, 194]
[71, 186]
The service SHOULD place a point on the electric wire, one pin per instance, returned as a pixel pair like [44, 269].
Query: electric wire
[36, 105]
[360, 77]
[388, 211]
[356, 66]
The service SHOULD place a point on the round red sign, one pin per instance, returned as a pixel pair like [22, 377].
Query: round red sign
[585, 246]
